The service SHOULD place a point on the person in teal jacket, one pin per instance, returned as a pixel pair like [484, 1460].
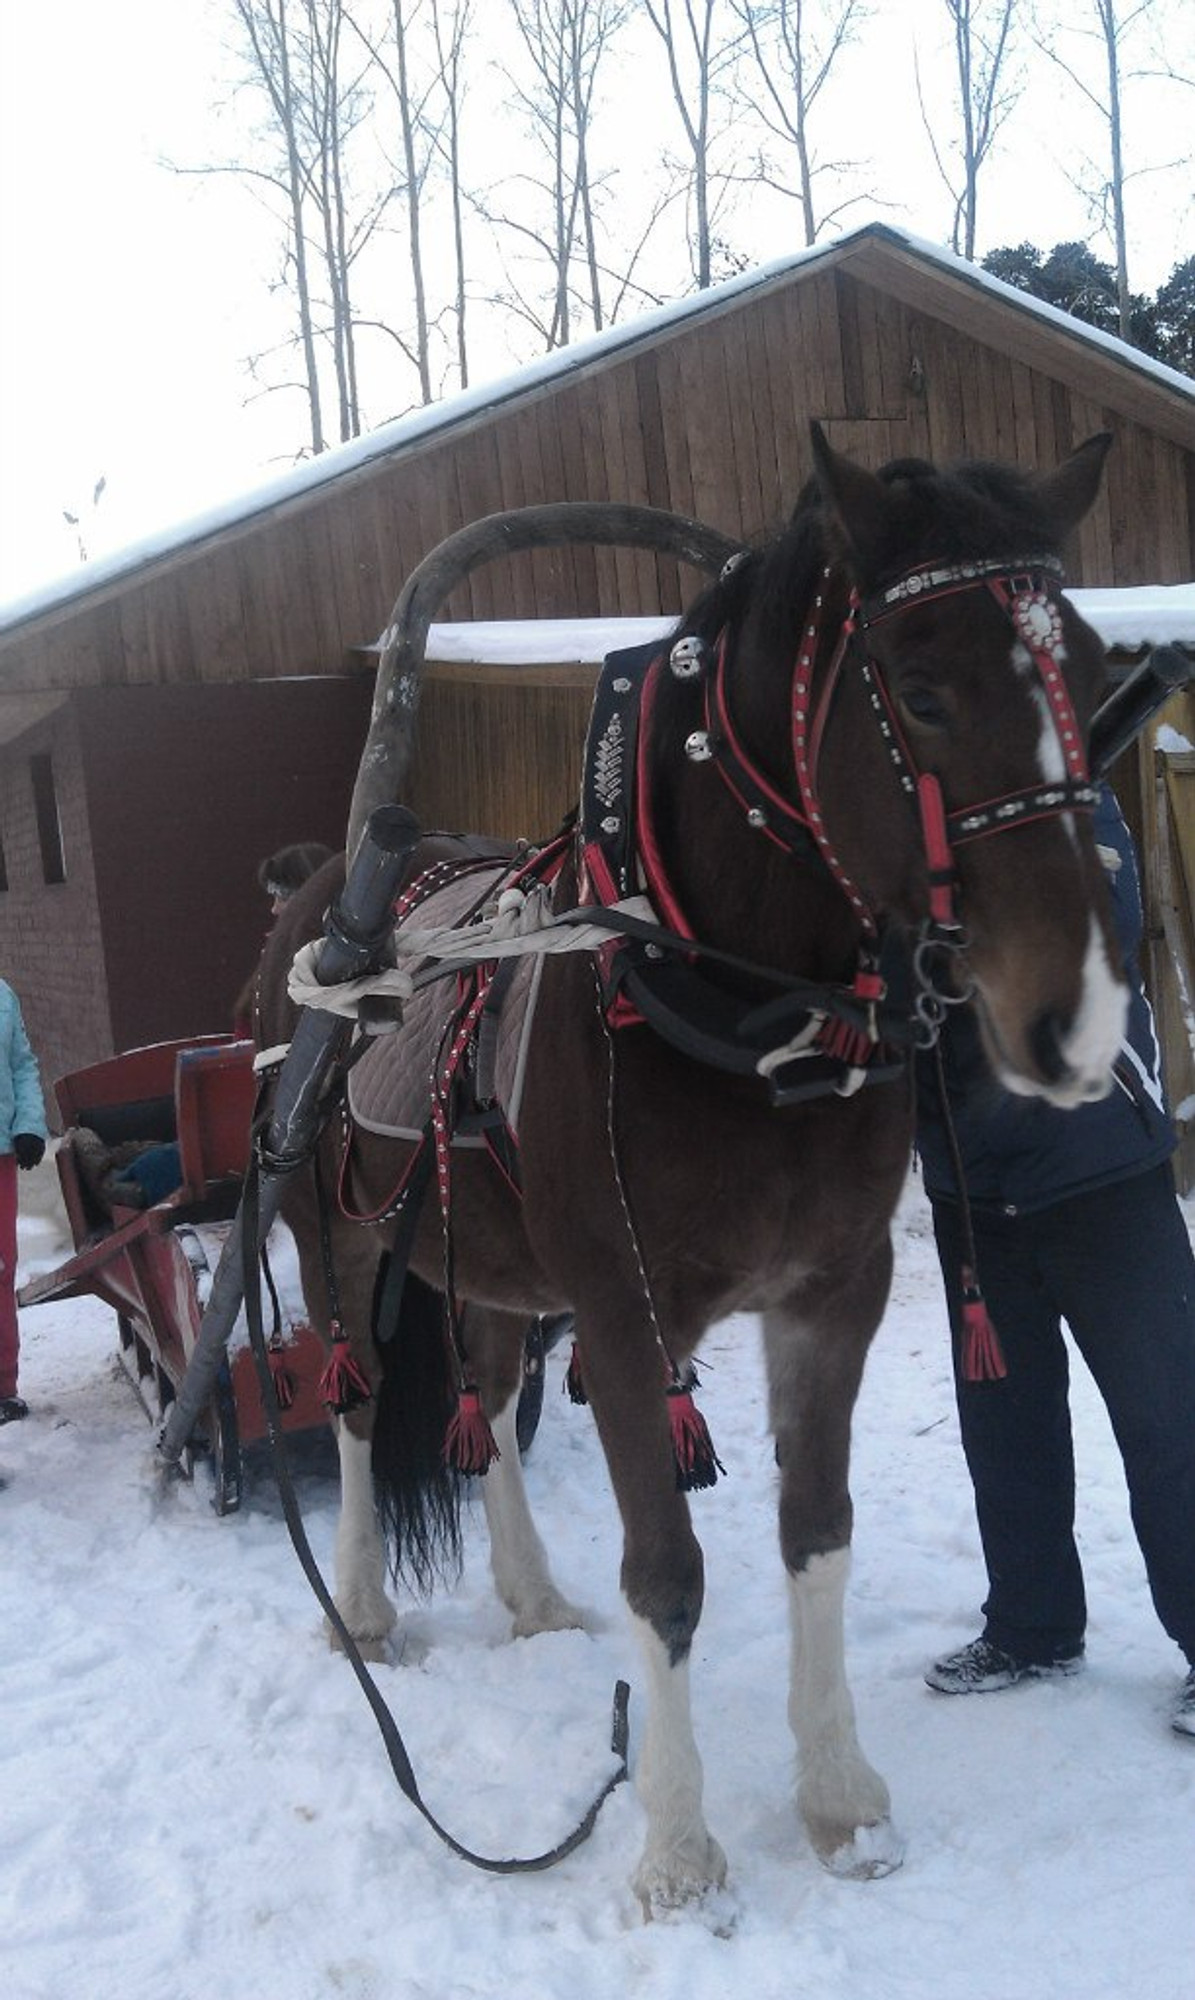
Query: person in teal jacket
[22, 1144]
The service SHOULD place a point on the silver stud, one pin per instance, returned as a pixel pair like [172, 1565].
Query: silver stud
[757, 818]
[689, 657]
[621, 685]
[611, 823]
[698, 747]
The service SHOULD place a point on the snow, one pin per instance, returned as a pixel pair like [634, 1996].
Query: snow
[194, 1798]
[1131, 618]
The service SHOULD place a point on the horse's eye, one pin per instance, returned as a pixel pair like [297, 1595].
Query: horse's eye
[925, 707]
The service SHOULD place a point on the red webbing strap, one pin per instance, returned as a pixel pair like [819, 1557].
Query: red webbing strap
[937, 850]
[1035, 613]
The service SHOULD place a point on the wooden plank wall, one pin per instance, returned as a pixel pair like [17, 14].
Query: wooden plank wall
[499, 748]
[709, 419]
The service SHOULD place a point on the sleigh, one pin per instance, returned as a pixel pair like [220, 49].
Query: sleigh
[185, 1108]
[189, 1105]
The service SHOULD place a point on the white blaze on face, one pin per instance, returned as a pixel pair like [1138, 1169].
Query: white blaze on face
[1098, 1029]
[1050, 760]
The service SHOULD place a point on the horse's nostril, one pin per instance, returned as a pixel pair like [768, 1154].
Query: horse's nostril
[1045, 1043]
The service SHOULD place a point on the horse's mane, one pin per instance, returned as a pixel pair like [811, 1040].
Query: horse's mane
[956, 513]
[967, 510]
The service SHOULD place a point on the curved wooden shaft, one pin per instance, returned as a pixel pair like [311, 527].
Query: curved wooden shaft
[386, 759]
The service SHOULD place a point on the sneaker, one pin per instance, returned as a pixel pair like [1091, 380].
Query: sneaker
[1182, 1715]
[12, 1409]
[982, 1668]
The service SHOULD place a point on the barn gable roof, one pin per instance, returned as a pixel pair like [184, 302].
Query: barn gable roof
[923, 275]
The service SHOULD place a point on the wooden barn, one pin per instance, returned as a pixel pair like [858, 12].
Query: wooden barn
[169, 716]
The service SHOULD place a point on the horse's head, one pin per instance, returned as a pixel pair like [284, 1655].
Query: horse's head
[983, 681]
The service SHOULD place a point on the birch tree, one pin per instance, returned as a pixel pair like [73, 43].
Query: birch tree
[267, 40]
[563, 45]
[702, 41]
[795, 46]
[1102, 72]
[986, 91]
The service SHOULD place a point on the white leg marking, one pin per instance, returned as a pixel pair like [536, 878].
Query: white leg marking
[843, 1802]
[360, 1555]
[680, 1861]
[517, 1555]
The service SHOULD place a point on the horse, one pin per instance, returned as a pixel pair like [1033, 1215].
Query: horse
[853, 790]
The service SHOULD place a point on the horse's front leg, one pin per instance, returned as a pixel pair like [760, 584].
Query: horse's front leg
[663, 1583]
[816, 1352]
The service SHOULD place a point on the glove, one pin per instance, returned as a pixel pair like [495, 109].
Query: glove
[28, 1149]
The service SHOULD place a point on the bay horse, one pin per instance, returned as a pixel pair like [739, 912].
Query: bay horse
[866, 746]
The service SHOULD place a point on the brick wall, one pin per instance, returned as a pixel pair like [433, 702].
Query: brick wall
[50, 946]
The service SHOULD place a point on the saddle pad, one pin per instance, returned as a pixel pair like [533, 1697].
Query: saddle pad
[389, 1089]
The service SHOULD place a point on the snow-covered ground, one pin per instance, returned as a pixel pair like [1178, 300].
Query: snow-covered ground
[194, 1799]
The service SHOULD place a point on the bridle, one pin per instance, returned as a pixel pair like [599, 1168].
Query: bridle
[1027, 592]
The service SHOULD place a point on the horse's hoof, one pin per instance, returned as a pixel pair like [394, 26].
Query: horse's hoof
[679, 1879]
[871, 1851]
[551, 1613]
[369, 1636]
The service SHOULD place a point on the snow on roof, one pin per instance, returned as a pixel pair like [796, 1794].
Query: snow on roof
[408, 430]
[1149, 615]
[1129, 619]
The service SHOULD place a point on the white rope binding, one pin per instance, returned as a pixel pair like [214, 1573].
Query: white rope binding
[522, 924]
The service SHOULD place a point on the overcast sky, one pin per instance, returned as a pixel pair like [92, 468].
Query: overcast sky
[131, 295]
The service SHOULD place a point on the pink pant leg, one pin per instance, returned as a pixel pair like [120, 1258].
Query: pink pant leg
[9, 1340]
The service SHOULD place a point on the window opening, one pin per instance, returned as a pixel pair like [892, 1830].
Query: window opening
[49, 825]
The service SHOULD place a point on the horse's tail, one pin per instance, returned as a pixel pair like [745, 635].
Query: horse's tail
[418, 1494]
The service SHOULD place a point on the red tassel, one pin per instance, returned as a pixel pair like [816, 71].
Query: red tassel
[697, 1463]
[469, 1442]
[283, 1380]
[574, 1380]
[841, 1039]
[983, 1357]
[342, 1386]
[851, 1046]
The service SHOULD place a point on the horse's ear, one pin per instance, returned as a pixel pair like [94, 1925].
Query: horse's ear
[1068, 492]
[858, 502]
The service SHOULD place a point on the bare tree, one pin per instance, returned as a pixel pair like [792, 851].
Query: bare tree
[982, 37]
[702, 43]
[795, 45]
[563, 43]
[317, 110]
[268, 44]
[1113, 25]
[449, 28]
[389, 53]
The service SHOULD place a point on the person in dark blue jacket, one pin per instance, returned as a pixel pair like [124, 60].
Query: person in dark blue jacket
[1069, 1216]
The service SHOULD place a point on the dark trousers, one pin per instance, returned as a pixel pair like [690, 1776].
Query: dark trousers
[1116, 1265]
